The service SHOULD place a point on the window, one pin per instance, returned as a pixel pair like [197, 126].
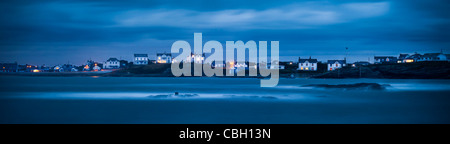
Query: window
[301, 64]
[306, 64]
[312, 68]
[336, 65]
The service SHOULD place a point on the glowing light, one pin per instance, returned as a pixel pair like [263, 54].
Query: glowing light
[306, 68]
[409, 61]
[301, 68]
[36, 70]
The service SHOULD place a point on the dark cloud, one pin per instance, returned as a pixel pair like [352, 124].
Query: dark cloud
[53, 32]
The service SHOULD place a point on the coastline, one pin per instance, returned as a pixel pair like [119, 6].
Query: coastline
[423, 70]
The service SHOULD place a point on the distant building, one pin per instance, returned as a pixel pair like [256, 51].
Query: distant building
[65, 68]
[241, 65]
[152, 61]
[92, 66]
[163, 58]
[402, 58]
[111, 63]
[280, 66]
[123, 64]
[96, 68]
[385, 59]
[336, 64]
[30, 68]
[307, 64]
[8, 67]
[196, 58]
[218, 64]
[140, 59]
[58, 69]
[412, 58]
[360, 63]
[433, 57]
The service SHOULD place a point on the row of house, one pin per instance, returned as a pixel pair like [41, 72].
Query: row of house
[161, 58]
[406, 58]
[142, 59]
[311, 64]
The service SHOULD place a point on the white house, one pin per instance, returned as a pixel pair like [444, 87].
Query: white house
[196, 58]
[163, 58]
[307, 64]
[140, 59]
[96, 68]
[280, 66]
[385, 59]
[111, 63]
[336, 64]
[433, 57]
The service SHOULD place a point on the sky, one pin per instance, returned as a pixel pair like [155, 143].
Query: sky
[54, 32]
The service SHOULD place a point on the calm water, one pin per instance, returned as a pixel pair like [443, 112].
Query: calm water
[218, 100]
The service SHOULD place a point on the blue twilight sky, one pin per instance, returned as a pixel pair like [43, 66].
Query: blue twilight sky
[56, 32]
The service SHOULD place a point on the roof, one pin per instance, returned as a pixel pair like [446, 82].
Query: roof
[160, 54]
[112, 59]
[415, 56]
[309, 60]
[403, 56]
[203, 54]
[140, 55]
[339, 61]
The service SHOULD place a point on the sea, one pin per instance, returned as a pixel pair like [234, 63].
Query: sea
[219, 100]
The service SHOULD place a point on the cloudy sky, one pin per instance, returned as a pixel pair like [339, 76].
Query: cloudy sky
[57, 32]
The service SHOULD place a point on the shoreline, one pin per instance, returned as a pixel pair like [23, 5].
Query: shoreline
[107, 74]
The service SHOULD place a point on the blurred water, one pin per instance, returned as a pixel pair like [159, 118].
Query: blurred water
[218, 100]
